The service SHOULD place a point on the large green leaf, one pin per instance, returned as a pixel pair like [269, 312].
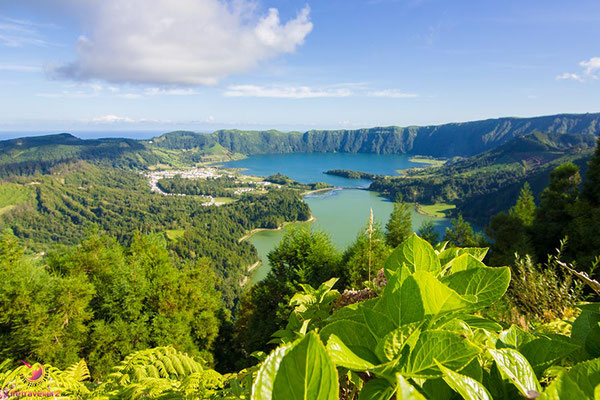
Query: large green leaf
[356, 336]
[451, 253]
[448, 348]
[477, 252]
[540, 351]
[342, 356]
[378, 323]
[353, 312]
[262, 388]
[406, 391]
[517, 369]
[463, 262]
[515, 337]
[467, 387]
[586, 328]
[416, 253]
[391, 346]
[377, 389]
[482, 286]
[543, 352]
[420, 296]
[481, 323]
[580, 382]
[306, 372]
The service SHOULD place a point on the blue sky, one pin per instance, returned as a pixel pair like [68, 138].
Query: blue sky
[160, 65]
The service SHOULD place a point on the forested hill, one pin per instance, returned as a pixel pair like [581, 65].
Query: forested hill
[449, 140]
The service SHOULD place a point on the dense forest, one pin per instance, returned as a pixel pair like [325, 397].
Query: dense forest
[488, 183]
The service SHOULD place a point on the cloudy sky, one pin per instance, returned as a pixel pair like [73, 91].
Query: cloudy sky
[157, 65]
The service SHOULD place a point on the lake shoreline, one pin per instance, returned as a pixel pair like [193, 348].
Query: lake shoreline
[253, 231]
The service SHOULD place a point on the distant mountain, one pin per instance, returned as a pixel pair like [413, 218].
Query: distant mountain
[42, 153]
[448, 140]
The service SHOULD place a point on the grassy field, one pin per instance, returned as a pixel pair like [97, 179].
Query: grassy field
[435, 210]
[427, 160]
[174, 234]
[12, 195]
[224, 200]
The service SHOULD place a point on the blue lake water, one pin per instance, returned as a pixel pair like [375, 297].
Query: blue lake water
[309, 167]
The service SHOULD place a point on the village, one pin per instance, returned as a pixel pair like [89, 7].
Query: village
[201, 173]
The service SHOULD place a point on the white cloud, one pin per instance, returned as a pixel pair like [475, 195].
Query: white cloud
[569, 76]
[392, 93]
[170, 92]
[591, 65]
[183, 42]
[112, 119]
[591, 71]
[285, 92]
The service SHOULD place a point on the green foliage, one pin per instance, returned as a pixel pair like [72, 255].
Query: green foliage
[161, 372]
[591, 187]
[524, 210]
[541, 292]
[553, 214]
[399, 227]
[102, 301]
[460, 234]
[427, 232]
[303, 257]
[488, 183]
[365, 255]
[420, 339]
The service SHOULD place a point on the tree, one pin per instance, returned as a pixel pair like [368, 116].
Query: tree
[399, 227]
[43, 317]
[509, 236]
[524, 209]
[460, 233]
[555, 212]
[302, 256]
[367, 253]
[591, 186]
[427, 231]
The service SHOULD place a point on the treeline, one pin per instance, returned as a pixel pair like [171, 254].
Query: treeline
[344, 173]
[217, 187]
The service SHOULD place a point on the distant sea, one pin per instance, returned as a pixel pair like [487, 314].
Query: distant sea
[142, 135]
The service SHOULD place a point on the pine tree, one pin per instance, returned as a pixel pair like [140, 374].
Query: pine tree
[399, 227]
[365, 256]
[555, 213]
[591, 187]
[427, 232]
[460, 233]
[524, 209]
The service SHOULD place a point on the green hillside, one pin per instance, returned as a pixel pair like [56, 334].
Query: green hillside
[448, 140]
[485, 184]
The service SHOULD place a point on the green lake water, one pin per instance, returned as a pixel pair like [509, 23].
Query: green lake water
[342, 214]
